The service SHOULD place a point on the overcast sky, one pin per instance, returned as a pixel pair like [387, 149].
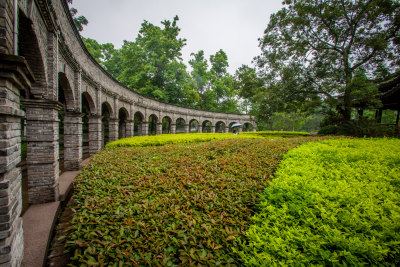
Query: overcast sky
[209, 25]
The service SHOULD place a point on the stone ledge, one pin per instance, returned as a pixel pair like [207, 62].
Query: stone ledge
[10, 111]
[39, 221]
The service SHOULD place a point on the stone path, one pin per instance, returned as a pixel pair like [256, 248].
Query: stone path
[39, 221]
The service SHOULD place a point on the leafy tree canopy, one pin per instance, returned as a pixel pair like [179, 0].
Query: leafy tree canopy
[324, 54]
[152, 65]
[79, 21]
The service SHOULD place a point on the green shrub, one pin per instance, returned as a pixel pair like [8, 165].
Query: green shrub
[171, 205]
[360, 128]
[335, 202]
[164, 139]
[329, 130]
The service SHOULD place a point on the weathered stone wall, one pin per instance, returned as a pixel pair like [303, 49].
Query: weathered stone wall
[14, 77]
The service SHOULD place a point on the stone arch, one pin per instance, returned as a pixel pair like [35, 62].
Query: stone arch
[65, 96]
[220, 127]
[166, 125]
[180, 125]
[107, 114]
[123, 116]
[88, 108]
[89, 102]
[206, 126]
[65, 92]
[28, 47]
[138, 119]
[194, 126]
[152, 120]
[247, 127]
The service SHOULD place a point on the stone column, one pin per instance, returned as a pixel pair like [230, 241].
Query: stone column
[14, 76]
[113, 129]
[95, 135]
[173, 128]
[129, 128]
[200, 130]
[212, 128]
[42, 151]
[145, 128]
[72, 141]
[186, 128]
[122, 130]
[254, 128]
[140, 129]
[240, 129]
[159, 128]
[227, 129]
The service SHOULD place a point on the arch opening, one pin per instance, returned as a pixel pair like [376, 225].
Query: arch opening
[138, 124]
[193, 126]
[123, 116]
[180, 125]
[206, 126]
[247, 127]
[106, 112]
[87, 111]
[66, 98]
[230, 127]
[166, 125]
[220, 127]
[153, 124]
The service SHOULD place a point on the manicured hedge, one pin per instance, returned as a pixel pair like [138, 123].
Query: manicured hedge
[164, 139]
[171, 205]
[335, 202]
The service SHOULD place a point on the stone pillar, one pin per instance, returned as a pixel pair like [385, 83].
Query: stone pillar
[145, 128]
[42, 151]
[140, 129]
[227, 129]
[72, 141]
[254, 128]
[14, 76]
[7, 29]
[95, 135]
[159, 128]
[113, 129]
[212, 128]
[129, 128]
[240, 129]
[186, 128]
[122, 130]
[200, 130]
[173, 128]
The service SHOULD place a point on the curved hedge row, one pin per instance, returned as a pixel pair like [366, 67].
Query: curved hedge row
[171, 205]
[335, 202]
[165, 139]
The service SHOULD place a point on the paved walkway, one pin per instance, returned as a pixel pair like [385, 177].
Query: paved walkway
[38, 226]
[39, 221]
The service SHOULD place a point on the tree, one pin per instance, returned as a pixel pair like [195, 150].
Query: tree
[152, 64]
[322, 53]
[221, 83]
[79, 21]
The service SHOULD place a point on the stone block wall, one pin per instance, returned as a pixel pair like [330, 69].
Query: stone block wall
[14, 77]
[6, 26]
[42, 135]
